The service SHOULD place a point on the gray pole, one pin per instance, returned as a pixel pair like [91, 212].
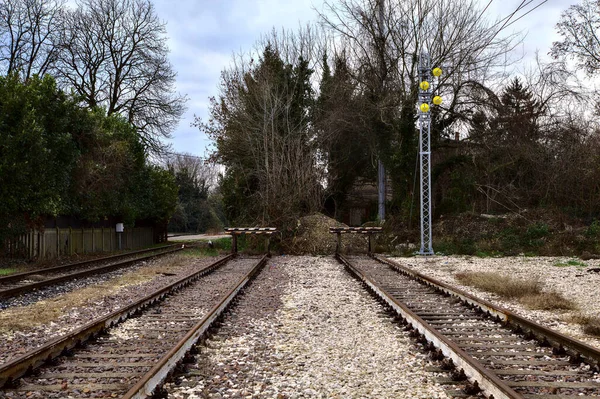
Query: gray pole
[380, 167]
[425, 156]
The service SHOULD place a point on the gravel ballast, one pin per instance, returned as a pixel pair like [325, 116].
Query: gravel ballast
[579, 284]
[306, 329]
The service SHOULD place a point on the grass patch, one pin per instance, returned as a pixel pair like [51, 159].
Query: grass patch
[201, 252]
[488, 254]
[220, 246]
[527, 291]
[7, 270]
[571, 262]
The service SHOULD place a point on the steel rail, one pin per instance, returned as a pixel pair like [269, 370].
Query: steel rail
[14, 291]
[158, 374]
[554, 338]
[19, 276]
[489, 382]
[27, 362]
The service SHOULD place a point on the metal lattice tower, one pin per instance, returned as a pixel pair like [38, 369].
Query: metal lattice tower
[425, 156]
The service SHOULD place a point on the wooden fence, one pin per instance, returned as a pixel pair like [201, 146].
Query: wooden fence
[55, 242]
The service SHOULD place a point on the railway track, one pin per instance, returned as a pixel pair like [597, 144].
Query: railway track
[26, 282]
[132, 359]
[491, 349]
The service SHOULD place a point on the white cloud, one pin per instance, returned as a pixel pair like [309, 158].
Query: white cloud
[204, 34]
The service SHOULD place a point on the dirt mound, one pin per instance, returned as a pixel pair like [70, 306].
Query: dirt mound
[312, 236]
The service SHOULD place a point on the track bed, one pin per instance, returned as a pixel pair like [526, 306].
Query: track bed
[524, 366]
[112, 363]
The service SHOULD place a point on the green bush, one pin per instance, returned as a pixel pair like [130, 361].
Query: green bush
[537, 231]
[510, 242]
[593, 231]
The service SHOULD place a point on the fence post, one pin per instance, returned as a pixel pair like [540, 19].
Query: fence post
[102, 238]
[42, 245]
[93, 240]
[70, 241]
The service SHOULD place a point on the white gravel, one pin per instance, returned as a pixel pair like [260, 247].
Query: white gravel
[574, 282]
[326, 340]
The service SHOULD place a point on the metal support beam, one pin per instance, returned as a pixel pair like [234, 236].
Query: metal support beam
[380, 168]
[425, 156]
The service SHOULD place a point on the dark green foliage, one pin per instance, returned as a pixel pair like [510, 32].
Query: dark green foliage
[344, 144]
[57, 158]
[454, 180]
[195, 211]
[593, 231]
[37, 153]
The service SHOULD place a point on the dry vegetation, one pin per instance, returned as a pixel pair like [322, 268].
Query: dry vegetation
[50, 310]
[312, 236]
[528, 292]
[590, 324]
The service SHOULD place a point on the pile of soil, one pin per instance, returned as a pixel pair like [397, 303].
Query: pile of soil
[312, 237]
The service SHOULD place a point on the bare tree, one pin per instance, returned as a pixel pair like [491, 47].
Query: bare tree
[29, 31]
[114, 55]
[199, 169]
[261, 123]
[454, 33]
[578, 27]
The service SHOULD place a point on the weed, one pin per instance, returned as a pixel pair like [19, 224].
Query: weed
[537, 231]
[510, 242]
[593, 231]
[572, 262]
[590, 324]
[445, 247]
[504, 286]
[219, 246]
[548, 301]
[488, 254]
[527, 291]
[7, 271]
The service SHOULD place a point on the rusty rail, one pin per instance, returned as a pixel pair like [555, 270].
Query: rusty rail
[54, 348]
[473, 369]
[554, 338]
[19, 276]
[157, 375]
[14, 291]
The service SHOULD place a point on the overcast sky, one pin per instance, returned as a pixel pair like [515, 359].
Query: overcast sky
[203, 35]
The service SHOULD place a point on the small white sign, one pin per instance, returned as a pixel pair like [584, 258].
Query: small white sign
[120, 227]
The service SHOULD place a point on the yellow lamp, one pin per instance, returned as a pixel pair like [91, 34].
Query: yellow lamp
[437, 100]
[437, 71]
[424, 107]
[424, 85]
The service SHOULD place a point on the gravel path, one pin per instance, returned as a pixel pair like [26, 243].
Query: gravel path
[306, 329]
[17, 342]
[576, 283]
